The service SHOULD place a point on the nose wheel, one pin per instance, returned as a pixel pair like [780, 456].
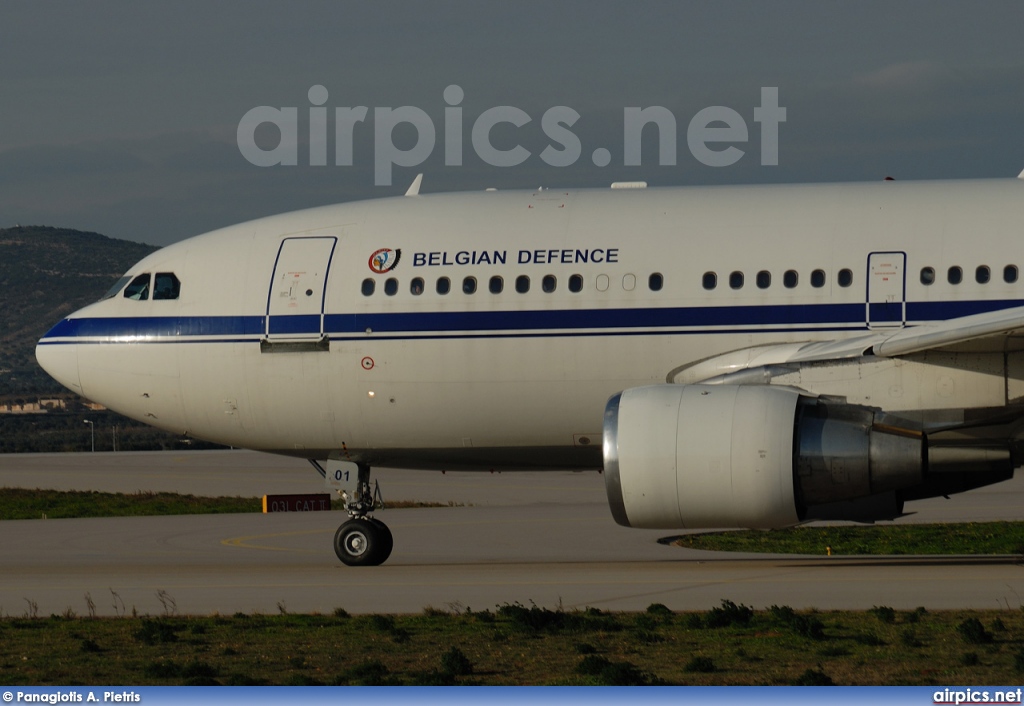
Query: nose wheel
[363, 541]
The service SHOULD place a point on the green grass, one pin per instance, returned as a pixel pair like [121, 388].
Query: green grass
[967, 538]
[19, 504]
[513, 644]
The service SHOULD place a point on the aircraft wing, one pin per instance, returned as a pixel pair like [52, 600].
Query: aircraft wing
[995, 331]
[988, 331]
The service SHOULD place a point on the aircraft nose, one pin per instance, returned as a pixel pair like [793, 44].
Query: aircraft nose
[60, 360]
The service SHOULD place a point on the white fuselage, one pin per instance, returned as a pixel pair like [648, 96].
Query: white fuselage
[273, 345]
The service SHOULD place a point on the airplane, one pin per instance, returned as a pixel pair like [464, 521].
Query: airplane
[730, 356]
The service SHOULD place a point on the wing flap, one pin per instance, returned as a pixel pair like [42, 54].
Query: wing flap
[993, 324]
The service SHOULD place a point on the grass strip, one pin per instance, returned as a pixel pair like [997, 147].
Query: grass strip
[964, 538]
[513, 644]
[22, 504]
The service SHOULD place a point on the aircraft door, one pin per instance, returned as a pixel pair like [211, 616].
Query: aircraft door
[886, 290]
[295, 304]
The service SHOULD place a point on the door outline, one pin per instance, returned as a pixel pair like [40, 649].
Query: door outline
[302, 330]
[885, 297]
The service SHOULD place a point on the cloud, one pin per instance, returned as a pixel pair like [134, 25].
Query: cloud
[901, 76]
[87, 160]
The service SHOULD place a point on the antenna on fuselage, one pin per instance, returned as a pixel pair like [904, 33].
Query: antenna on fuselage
[414, 188]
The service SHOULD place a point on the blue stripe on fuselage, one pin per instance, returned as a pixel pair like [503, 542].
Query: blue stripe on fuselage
[840, 316]
[143, 327]
[562, 319]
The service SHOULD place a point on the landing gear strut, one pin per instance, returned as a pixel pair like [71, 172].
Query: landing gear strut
[362, 540]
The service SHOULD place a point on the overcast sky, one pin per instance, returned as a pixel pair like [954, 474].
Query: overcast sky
[122, 116]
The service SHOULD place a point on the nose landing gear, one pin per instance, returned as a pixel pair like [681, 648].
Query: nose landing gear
[362, 540]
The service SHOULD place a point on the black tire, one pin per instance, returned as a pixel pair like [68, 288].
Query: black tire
[388, 540]
[363, 542]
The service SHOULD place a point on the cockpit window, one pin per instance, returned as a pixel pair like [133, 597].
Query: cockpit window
[115, 290]
[166, 286]
[138, 289]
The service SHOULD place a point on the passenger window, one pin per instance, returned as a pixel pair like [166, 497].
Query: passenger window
[982, 274]
[469, 285]
[416, 286]
[764, 279]
[955, 275]
[845, 278]
[927, 275]
[710, 280]
[522, 284]
[391, 286]
[736, 280]
[576, 283]
[818, 279]
[368, 286]
[1010, 274]
[138, 289]
[790, 279]
[496, 284]
[549, 283]
[655, 282]
[444, 285]
[166, 286]
[115, 290]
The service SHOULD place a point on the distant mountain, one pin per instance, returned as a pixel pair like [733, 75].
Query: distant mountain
[45, 274]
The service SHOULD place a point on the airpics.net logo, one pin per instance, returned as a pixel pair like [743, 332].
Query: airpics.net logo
[712, 134]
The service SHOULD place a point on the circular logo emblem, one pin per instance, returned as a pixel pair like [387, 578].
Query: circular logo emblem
[385, 260]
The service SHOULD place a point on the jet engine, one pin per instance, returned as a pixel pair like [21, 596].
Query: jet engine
[758, 456]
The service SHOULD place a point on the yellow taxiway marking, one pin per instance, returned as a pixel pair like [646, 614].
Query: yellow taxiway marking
[246, 542]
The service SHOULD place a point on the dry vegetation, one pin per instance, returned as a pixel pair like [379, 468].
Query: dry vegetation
[513, 644]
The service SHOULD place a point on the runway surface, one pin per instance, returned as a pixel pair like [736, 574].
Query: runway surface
[541, 537]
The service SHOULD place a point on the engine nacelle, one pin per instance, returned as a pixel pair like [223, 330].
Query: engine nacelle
[701, 456]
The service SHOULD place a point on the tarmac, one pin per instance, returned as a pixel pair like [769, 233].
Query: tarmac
[533, 537]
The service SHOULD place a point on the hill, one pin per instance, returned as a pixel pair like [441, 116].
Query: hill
[45, 274]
